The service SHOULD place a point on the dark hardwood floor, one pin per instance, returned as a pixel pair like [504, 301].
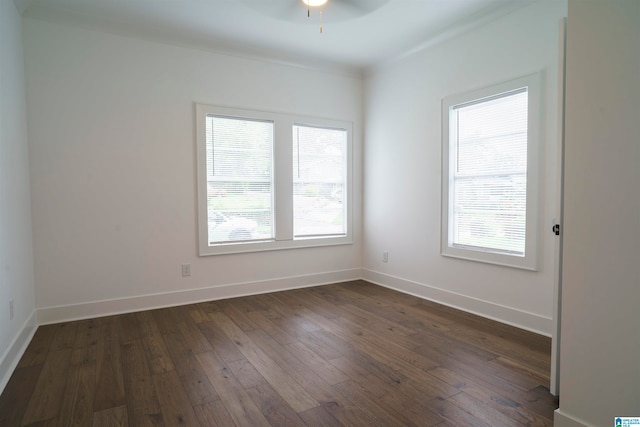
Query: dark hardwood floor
[350, 354]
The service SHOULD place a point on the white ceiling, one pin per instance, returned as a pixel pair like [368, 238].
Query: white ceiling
[357, 34]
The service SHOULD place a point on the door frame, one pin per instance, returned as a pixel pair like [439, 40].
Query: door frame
[554, 386]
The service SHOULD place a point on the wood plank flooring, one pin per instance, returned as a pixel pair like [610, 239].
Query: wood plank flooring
[349, 354]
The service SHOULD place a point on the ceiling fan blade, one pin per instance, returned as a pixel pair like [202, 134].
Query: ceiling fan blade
[348, 9]
[293, 8]
[284, 10]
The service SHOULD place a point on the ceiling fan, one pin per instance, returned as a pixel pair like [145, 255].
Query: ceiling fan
[298, 11]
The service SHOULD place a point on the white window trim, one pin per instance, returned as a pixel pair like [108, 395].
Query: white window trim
[282, 178]
[530, 260]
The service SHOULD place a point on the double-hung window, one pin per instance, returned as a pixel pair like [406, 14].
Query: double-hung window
[271, 180]
[319, 171]
[490, 179]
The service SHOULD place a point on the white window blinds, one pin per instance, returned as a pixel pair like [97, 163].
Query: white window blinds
[319, 181]
[239, 155]
[489, 175]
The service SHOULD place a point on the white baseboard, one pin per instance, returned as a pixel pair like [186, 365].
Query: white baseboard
[93, 309]
[16, 349]
[511, 316]
[562, 419]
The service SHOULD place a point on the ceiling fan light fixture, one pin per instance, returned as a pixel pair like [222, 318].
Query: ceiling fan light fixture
[314, 3]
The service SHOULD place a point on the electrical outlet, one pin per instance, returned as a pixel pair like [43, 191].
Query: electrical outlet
[186, 270]
[11, 309]
[385, 256]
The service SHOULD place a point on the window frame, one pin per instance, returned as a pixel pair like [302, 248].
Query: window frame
[282, 172]
[530, 259]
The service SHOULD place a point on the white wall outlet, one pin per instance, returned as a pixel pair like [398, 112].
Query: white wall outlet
[11, 309]
[385, 256]
[186, 270]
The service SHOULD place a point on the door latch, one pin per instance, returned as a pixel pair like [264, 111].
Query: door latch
[556, 229]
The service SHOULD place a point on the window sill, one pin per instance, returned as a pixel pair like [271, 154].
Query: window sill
[487, 257]
[273, 245]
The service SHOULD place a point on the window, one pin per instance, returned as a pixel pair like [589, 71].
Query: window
[239, 179]
[250, 200]
[319, 169]
[490, 162]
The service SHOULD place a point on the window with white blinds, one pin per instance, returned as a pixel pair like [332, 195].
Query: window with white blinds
[239, 155]
[490, 150]
[319, 176]
[269, 181]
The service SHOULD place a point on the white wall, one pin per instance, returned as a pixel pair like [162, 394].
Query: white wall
[403, 166]
[112, 146]
[600, 345]
[16, 253]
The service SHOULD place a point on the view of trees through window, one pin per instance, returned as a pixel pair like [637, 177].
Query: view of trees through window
[239, 179]
[490, 173]
[240, 196]
[271, 181]
[319, 176]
